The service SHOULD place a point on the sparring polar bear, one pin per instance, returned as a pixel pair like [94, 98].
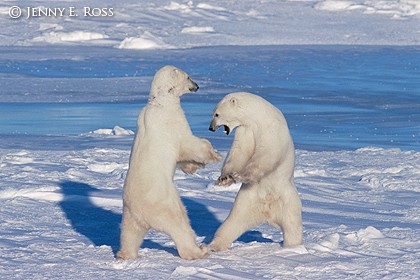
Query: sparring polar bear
[163, 140]
[262, 158]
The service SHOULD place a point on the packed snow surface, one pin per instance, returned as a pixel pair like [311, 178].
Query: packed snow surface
[61, 212]
[71, 88]
[187, 23]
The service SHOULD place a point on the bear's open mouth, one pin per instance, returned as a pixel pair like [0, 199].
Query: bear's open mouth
[213, 127]
[226, 129]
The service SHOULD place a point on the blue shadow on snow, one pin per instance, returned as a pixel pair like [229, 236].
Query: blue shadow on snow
[205, 223]
[102, 227]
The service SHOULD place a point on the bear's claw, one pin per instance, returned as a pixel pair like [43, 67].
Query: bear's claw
[225, 180]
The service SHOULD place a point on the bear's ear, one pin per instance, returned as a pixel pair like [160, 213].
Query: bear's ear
[174, 73]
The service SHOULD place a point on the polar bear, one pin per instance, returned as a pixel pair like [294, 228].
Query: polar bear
[163, 140]
[262, 158]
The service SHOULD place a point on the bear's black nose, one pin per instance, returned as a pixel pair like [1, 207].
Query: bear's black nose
[194, 88]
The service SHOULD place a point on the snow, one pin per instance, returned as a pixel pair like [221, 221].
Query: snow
[397, 9]
[146, 41]
[117, 130]
[175, 6]
[61, 212]
[75, 36]
[206, 6]
[248, 22]
[344, 73]
[197, 29]
[333, 5]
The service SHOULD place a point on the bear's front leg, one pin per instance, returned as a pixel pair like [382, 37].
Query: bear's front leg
[236, 177]
[190, 167]
[259, 166]
[251, 174]
[239, 154]
[198, 150]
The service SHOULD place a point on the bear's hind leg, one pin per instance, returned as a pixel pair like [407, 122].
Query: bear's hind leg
[184, 238]
[292, 231]
[179, 229]
[244, 215]
[174, 222]
[132, 235]
[288, 217]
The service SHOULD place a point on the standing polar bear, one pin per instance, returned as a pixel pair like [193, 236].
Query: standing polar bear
[163, 140]
[262, 158]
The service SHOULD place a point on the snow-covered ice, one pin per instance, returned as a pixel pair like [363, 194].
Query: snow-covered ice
[247, 22]
[71, 89]
[396, 9]
[117, 130]
[61, 212]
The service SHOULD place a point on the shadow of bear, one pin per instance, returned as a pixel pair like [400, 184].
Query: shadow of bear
[102, 227]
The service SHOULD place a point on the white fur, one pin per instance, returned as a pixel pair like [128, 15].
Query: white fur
[163, 140]
[262, 158]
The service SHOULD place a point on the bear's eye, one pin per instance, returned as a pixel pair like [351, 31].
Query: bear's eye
[216, 115]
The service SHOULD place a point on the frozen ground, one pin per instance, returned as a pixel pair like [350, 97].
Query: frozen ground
[182, 24]
[62, 165]
[61, 211]
[67, 82]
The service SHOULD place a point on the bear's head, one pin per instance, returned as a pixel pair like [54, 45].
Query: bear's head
[170, 80]
[228, 113]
